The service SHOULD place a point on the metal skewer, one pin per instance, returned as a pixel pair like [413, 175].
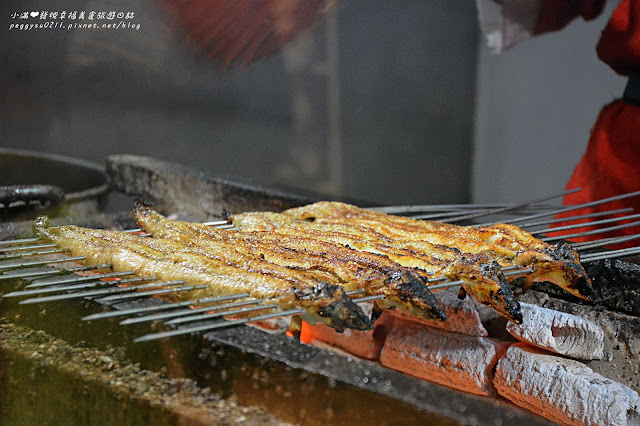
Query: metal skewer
[31, 253]
[217, 314]
[604, 241]
[610, 254]
[40, 274]
[583, 225]
[595, 231]
[512, 206]
[423, 208]
[567, 209]
[189, 312]
[436, 287]
[434, 208]
[27, 247]
[369, 298]
[83, 294]
[511, 273]
[444, 216]
[39, 263]
[163, 306]
[20, 241]
[81, 278]
[82, 284]
[120, 297]
[579, 217]
[44, 290]
[111, 290]
[221, 324]
[442, 278]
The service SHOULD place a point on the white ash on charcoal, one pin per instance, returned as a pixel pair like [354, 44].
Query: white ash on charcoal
[558, 332]
[462, 362]
[621, 360]
[563, 390]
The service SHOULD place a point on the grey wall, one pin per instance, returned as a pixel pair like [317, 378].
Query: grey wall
[535, 107]
[407, 76]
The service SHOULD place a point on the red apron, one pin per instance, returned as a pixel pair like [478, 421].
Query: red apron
[611, 164]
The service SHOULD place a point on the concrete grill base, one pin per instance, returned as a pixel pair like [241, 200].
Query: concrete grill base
[44, 380]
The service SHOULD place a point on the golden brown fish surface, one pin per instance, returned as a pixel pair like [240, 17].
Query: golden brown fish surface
[171, 260]
[506, 244]
[355, 263]
[481, 276]
[376, 274]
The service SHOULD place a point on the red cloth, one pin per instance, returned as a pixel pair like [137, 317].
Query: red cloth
[556, 14]
[619, 45]
[609, 167]
[244, 30]
[611, 164]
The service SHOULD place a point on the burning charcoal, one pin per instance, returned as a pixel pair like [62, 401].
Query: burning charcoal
[616, 285]
[461, 362]
[364, 344]
[564, 390]
[559, 332]
[462, 315]
[359, 343]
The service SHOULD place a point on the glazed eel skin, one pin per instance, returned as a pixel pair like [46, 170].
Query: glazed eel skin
[351, 261]
[403, 288]
[507, 244]
[233, 274]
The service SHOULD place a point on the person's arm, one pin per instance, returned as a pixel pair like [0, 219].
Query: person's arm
[506, 22]
[240, 31]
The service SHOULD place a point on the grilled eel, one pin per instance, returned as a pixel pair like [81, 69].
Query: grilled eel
[482, 277]
[402, 288]
[170, 260]
[508, 244]
[345, 258]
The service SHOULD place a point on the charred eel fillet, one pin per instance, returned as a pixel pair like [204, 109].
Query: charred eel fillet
[482, 277]
[558, 264]
[507, 244]
[403, 288]
[171, 260]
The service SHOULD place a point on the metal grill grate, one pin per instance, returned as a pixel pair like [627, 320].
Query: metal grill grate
[32, 259]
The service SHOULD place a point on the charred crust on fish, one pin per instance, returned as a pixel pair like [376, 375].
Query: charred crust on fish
[416, 289]
[341, 310]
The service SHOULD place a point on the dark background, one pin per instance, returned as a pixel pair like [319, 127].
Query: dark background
[425, 114]
[406, 87]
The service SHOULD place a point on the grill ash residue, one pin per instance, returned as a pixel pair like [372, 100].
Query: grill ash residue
[43, 374]
[563, 251]
[615, 286]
